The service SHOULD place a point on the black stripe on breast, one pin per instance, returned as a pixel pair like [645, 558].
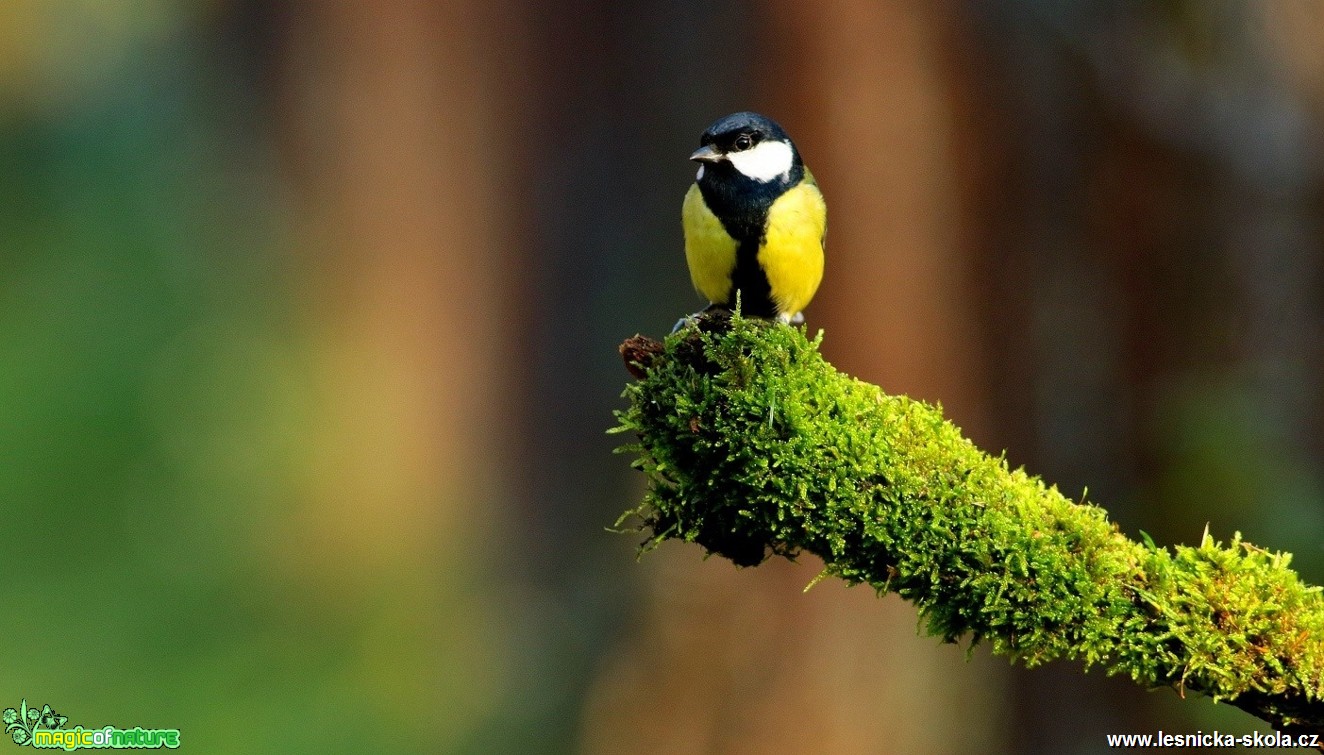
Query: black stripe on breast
[749, 279]
[742, 205]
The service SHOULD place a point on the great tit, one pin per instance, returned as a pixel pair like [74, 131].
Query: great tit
[754, 220]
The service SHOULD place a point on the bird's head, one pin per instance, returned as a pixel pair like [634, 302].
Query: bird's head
[749, 146]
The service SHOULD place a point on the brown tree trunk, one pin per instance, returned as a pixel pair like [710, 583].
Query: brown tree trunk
[390, 112]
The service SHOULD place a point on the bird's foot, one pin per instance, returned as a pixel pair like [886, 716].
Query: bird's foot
[685, 322]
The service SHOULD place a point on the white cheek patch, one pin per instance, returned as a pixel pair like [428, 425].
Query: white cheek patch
[766, 161]
[700, 176]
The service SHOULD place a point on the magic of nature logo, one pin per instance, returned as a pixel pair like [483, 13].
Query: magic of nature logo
[45, 729]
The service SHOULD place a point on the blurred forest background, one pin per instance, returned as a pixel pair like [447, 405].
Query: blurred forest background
[308, 327]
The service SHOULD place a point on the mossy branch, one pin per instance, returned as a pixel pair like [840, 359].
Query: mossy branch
[754, 445]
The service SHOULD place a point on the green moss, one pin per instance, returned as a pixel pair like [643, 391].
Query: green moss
[756, 446]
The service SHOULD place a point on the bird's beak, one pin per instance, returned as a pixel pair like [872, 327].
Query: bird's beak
[707, 155]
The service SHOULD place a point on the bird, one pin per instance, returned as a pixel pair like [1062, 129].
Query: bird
[754, 221]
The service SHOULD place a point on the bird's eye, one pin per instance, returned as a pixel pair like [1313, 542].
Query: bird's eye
[743, 142]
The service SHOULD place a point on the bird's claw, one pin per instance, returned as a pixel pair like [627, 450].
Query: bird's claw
[685, 321]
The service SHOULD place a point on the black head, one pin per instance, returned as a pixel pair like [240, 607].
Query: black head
[727, 131]
[748, 147]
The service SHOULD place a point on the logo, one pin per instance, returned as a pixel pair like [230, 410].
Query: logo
[44, 729]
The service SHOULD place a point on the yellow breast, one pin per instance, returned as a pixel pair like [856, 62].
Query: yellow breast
[709, 249]
[792, 251]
